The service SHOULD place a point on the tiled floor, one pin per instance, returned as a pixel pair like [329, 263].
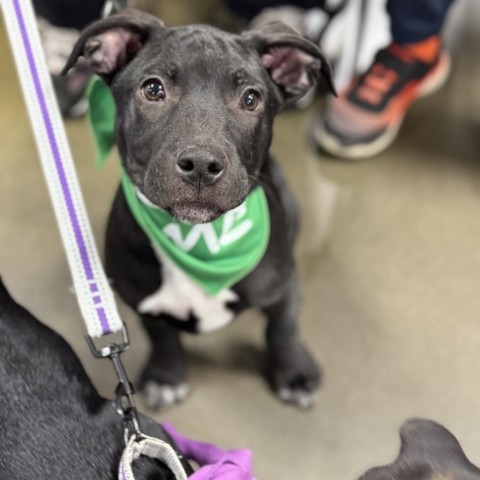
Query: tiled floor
[391, 298]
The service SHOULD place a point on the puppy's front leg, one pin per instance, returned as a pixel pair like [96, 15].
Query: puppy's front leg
[293, 372]
[164, 379]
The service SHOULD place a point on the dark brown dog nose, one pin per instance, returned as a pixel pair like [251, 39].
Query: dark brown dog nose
[200, 167]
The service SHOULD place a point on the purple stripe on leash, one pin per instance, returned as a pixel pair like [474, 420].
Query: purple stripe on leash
[122, 470]
[58, 162]
[103, 320]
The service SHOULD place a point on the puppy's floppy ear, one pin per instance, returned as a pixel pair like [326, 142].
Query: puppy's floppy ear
[293, 62]
[425, 441]
[109, 44]
[428, 451]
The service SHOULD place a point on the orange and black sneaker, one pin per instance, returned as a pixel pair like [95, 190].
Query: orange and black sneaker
[366, 117]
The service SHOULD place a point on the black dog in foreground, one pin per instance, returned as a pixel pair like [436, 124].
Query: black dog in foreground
[194, 114]
[428, 452]
[54, 424]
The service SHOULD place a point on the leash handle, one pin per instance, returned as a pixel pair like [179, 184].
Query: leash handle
[94, 294]
[153, 448]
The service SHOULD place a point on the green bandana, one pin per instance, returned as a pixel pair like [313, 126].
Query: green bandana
[215, 255]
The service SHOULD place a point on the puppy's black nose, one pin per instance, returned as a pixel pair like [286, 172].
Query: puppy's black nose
[200, 167]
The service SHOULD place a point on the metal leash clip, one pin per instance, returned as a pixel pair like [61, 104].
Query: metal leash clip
[125, 391]
[136, 443]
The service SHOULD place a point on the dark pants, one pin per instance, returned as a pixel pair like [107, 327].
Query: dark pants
[248, 9]
[416, 20]
[69, 13]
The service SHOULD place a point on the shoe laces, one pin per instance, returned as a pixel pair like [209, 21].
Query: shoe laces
[380, 78]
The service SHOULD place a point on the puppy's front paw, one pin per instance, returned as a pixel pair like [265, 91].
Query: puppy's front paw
[300, 397]
[295, 377]
[159, 396]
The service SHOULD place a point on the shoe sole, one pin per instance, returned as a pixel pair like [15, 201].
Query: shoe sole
[432, 83]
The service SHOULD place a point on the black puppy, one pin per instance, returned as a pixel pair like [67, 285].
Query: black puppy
[54, 424]
[428, 452]
[194, 114]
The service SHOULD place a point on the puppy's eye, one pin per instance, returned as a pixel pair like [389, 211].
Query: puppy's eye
[153, 90]
[250, 100]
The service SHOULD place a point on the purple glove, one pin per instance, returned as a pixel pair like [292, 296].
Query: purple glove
[214, 463]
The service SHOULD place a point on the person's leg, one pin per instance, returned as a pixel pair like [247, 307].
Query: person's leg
[416, 20]
[69, 13]
[366, 117]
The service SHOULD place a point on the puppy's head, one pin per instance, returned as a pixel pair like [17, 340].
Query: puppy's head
[195, 105]
[428, 452]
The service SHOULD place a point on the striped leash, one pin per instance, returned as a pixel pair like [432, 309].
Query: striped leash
[94, 295]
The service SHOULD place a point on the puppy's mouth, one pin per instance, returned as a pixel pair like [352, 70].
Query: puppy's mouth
[188, 211]
[195, 212]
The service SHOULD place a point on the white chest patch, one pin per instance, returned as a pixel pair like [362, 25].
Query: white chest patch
[179, 296]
